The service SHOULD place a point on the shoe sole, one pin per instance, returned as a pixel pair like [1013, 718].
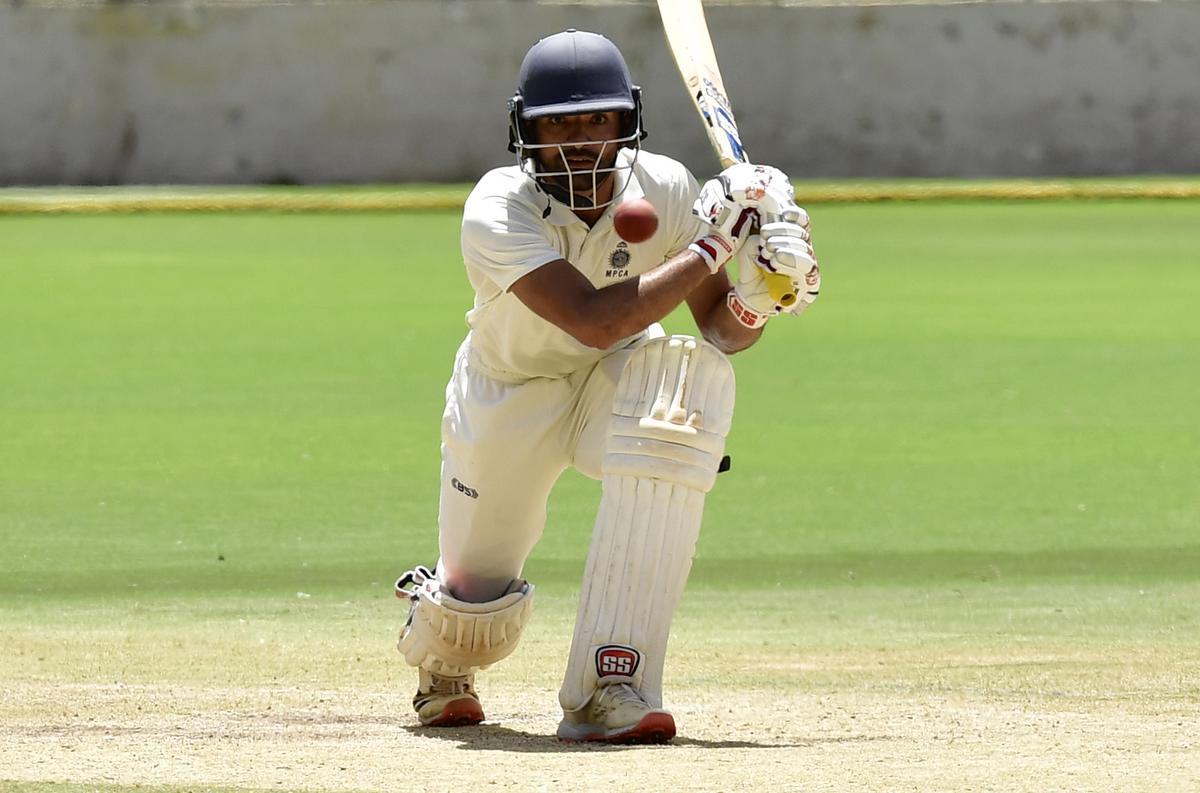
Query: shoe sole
[459, 713]
[653, 728]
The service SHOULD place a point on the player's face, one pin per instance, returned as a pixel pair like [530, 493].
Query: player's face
[580, 147]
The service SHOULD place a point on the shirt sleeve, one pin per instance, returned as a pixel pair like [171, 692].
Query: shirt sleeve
[504, 239]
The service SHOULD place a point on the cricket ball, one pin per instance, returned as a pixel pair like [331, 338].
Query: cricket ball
[635, 220]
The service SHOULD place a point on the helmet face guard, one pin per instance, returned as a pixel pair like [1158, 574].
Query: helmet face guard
[564, 184]
[574, 73]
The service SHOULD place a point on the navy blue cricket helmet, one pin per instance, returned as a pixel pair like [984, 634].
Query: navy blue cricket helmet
[570, 73]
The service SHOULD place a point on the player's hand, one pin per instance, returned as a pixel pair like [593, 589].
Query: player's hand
[808, 289]
[750, 300]
[788, 243]
[730, 224]
[787, 250]
[761, 187]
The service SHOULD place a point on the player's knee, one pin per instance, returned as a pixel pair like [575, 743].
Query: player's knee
[474, 588]
[672, 409]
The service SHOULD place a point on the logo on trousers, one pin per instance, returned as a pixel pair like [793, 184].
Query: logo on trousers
[617, 660]
[469, 492]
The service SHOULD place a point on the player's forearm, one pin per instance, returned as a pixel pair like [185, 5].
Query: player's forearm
[621, 310]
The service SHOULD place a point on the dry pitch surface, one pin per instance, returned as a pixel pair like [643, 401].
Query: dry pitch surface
[337, 739]
[311, 699]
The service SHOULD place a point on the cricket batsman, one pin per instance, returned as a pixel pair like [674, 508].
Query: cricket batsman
[565, 364]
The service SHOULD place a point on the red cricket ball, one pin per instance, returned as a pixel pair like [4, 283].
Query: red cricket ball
[635, 220]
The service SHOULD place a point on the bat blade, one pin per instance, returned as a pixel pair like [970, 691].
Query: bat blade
[691, 45]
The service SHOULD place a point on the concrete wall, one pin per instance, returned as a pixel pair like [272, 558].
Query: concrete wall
[415, 89]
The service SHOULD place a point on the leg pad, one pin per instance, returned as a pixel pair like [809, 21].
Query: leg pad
[671, 411]
[452, 637]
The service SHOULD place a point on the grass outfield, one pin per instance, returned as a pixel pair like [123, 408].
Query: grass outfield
[960, 543]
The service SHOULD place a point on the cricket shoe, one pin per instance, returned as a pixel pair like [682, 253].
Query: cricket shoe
[617, 713]
[447, 701]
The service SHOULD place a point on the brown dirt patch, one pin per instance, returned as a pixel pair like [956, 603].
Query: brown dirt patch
[298, 738]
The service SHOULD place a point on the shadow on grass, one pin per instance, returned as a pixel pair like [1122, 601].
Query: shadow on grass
[491, 737]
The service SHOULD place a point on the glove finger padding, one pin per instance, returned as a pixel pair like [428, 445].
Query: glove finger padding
[788, 251]
[789, 256]
[788, 213]
[773, 227]
[808, 289]
[789, 246]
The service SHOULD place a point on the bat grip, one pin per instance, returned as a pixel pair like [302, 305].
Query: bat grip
[781, 289]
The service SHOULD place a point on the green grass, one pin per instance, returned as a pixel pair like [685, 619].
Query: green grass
[249, 403]
[968, 475]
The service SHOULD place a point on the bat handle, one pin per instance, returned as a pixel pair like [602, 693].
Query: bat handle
[781, 289]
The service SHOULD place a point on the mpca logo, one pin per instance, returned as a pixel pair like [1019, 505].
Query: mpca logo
[618, 261]
[617, 660]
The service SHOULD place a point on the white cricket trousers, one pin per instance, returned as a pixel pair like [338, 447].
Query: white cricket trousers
[504, 445]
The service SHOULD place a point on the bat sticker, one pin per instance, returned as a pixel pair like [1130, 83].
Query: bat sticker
[718, 113]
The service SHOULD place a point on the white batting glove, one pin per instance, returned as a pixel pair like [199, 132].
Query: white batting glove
[782, 247]
[762, 187]
[750, 300]
[788, 250]
[788, 243]
[808, 289]
[730, 224]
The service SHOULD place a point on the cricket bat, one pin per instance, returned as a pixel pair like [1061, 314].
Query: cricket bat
[691, 44]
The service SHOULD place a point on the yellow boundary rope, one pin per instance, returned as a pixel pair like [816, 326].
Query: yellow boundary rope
[20, 201]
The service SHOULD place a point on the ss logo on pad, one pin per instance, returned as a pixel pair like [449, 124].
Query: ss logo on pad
[617, 660]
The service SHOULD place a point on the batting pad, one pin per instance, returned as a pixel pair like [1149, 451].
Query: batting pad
[671, 413]
[451, 637]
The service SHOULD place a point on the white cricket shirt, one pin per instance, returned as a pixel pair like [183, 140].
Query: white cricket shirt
[510, 228]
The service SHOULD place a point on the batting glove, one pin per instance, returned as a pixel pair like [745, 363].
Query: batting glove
[762, 187]
[750, 300]
[784, 248]
[730, 224]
